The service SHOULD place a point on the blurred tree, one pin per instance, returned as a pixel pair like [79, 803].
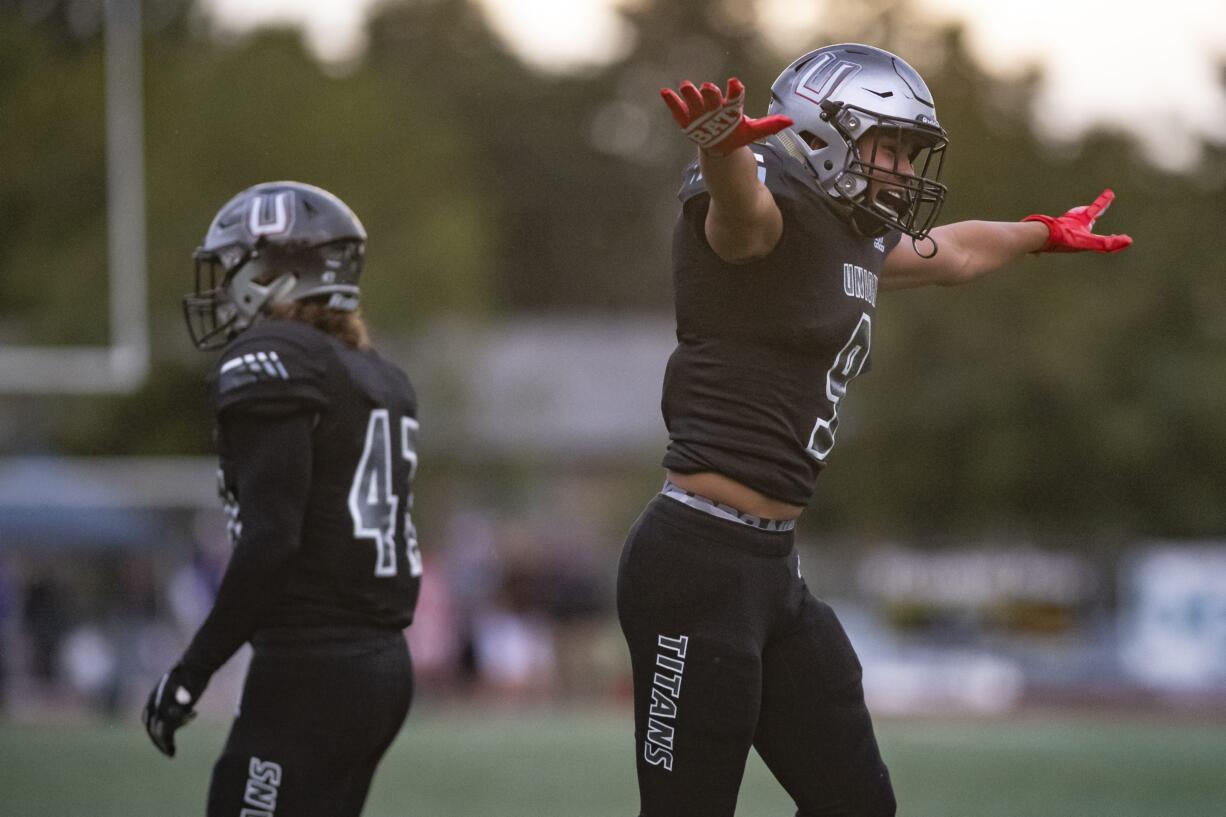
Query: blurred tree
[222, 118]
[568, 227]
[53, 192]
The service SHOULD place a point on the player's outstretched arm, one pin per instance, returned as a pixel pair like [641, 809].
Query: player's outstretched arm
[970, 249]
[743, 221]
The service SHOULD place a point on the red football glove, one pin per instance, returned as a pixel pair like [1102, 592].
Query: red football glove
[1072, 232]
[716, 122]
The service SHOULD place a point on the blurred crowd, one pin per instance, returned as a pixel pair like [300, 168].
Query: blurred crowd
[509, 612]
[518, 610]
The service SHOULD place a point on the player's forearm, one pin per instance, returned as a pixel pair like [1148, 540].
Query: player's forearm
[247, 593]
[272, 457]
[251, 586]
[743, 221]
[731, 180]
[976, 248]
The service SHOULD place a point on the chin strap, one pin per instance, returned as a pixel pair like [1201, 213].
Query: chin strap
[915, 244]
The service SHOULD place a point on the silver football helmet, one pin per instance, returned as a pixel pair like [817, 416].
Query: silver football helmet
[836, 96]
[273, 243]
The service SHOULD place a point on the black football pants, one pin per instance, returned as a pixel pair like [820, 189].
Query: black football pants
[314, 721]
[729, 649]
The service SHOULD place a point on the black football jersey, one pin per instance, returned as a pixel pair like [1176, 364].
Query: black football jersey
[765, 350]
[358, 563]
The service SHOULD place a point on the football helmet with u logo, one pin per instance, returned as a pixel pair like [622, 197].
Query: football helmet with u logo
[273, 243]
[838, 94]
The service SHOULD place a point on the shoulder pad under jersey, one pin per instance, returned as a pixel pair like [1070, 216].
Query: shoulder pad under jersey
[885, 243]
[276, 366]
[773, 171]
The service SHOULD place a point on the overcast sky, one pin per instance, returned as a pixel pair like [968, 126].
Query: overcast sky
[1159, 75]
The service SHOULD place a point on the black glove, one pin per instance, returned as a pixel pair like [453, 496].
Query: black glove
[170, 707]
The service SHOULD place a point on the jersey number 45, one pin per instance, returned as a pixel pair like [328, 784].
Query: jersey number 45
[373, 499]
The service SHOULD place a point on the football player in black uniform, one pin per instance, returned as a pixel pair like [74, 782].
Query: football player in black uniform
[317, 439]
[790, 225]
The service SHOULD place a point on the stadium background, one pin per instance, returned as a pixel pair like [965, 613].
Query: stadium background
[1022, 526]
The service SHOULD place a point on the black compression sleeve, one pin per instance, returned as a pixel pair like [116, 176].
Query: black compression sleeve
[272, 462]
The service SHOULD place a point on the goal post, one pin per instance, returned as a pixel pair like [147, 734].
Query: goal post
[122, 366]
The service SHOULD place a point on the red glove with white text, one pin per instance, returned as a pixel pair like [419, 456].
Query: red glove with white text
[1072, 232]
[716, 122]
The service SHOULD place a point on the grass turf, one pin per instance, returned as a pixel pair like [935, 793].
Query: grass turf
[469, 763]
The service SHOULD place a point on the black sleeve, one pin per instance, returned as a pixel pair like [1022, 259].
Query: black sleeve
[772, 172]
[694, 215]
[890, 240]
[272, 462]
[275, 367]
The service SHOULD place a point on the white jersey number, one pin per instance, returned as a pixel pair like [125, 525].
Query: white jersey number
[372, 499]
[847, 364]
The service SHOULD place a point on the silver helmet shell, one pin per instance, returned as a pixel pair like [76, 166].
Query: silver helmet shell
[273, 243]
[835, 96]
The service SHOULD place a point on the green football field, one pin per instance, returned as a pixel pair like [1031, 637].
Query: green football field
[471, 763]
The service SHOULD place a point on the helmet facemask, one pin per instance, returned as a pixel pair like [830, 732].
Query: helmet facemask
[210, 314]
[892, 179]
[849, 103]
